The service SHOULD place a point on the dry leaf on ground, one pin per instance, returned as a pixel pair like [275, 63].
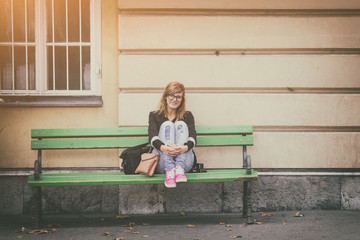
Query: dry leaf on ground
[107, 234]
[266, 214]
[38, 231]
[191, 226]
[299, 214]
[122, 216]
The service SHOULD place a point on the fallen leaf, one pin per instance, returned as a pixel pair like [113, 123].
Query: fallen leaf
[21, 236]
[266, 214]
[122, 216]
[234, 237]
[189, 225]
[120, 238]
[229, 229]
[284, 222]
[221, 223]
[182, 214]
[107, 234]
[129, 224]
[228, 225]
[32, 231]
[49, 226]
[54, 230]
[38, 231]
[127, 231]
[259, 223]
[299, 214]
[244, 224]
[146, 236]
[135, 232]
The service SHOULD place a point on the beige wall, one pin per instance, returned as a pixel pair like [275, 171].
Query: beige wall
[289, 68]
[16, 123]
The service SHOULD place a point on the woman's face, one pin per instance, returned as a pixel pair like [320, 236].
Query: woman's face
[174, 100]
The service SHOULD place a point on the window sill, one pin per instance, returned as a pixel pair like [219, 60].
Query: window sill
[51, 101]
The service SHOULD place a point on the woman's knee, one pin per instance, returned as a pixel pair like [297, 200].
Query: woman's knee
[167, 131]
[180, 125]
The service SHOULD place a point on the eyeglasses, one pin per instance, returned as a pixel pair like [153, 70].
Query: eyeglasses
[172, 97]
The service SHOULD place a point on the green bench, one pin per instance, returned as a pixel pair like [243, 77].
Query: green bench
[123, 137]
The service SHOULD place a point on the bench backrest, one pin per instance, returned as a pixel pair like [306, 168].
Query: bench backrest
[123, 137]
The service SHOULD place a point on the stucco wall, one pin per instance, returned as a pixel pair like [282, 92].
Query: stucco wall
[16, 123]
[289, 68]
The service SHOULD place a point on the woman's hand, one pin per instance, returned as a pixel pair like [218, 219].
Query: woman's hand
[173, 150]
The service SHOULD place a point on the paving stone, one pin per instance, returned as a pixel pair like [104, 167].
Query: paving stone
[110, 199]
[194, 197]
[141, 199]
[350, 193]
[11, 200]
[276, 193]
[72, 199]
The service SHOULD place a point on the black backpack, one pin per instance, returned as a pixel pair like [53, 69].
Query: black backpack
[132, 156]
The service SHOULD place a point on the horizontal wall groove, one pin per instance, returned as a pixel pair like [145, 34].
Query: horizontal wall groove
[300, 129]
[240, 12]
[239, 90]
[243, 51]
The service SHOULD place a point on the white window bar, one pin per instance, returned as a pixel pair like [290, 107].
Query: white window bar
[53, 41]
[80, 40]
[12, 47]
[67, 45]
[26, 52]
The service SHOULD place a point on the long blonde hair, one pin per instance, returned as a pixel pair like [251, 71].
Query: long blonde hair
[173, 88]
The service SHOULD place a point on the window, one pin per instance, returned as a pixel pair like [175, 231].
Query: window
[50, 48]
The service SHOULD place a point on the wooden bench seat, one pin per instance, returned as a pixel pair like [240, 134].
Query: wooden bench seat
[120, 138]
[76, 179]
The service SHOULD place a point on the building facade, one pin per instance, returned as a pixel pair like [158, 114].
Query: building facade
[289, 68]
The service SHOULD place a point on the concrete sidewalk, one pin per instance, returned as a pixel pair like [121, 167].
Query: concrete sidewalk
[275, 225]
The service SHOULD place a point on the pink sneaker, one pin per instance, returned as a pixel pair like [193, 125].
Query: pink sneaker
[170, 179]
[180, 175]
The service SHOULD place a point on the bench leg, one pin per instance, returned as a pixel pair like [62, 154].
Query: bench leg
[247, 202]
[38, 207]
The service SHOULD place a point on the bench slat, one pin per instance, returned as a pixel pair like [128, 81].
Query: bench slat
[131, 131]
[89, 132]
[224, 130]
[227, 175]
[128, 142]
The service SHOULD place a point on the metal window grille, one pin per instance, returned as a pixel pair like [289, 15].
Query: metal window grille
[46, 47]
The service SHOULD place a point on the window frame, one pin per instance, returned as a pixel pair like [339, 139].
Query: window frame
[43, 97]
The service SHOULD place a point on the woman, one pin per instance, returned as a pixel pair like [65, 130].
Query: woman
[172, 133]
